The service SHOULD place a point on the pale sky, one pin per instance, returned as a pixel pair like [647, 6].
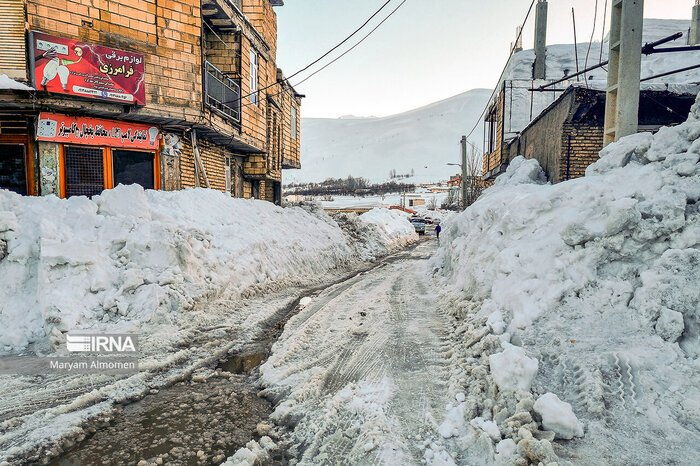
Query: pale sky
[427, 51]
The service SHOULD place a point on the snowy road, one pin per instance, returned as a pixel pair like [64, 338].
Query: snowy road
[361, 370]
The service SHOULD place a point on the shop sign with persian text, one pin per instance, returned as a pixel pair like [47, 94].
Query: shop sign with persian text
[97, 132]
[66, 66]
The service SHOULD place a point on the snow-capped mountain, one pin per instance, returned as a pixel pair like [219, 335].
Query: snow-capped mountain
[423, 140]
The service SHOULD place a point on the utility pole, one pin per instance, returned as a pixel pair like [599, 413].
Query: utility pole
[540, 68]
[622, 98]
[464, 172]
[694, 38]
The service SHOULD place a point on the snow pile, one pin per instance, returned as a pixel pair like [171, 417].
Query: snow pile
[254, 453]
[558, 416]
[9, 83]
[134, 260]
[597, 280]
[512, 369]
[392, 230]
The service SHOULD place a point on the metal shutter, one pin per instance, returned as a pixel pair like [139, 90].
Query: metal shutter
[13, 59]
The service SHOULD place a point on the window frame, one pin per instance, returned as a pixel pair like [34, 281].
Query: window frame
[254, 70]
[107, 165]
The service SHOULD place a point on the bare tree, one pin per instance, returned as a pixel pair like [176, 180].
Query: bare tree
[432, 204]
[451, 202]
[474, 181]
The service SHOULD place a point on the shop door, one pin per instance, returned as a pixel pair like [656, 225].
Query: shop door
[133, 167]
[84, 168]
[277, 186]
[13, 173]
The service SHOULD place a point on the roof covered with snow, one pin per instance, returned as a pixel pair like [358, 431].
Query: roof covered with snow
[9, 83]
[561, 61]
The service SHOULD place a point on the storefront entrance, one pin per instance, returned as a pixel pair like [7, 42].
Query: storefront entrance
[133, 167]
[96, 154]
[13, 170]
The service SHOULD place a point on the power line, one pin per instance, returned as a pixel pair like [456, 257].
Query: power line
[351, 48]
[602, 34]
[590, 42]
[341, 55]
[327, 53]
[512, 51]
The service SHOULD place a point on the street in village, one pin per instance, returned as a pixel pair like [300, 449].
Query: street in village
[477, 242]
[379, 330]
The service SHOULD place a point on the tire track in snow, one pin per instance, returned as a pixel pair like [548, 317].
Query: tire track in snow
[378, 329]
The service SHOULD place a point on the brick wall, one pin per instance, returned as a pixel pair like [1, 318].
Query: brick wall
[494, 158]
[290, 147]
[213, 158]
[580, 145]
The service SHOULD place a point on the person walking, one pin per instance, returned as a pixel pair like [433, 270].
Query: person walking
[438, 229]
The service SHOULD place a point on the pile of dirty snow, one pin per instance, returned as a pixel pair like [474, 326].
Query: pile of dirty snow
[577, 310]
[134, 260]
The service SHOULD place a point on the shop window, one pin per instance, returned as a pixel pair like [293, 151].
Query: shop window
[133, 167]
[84, 170]
[12, 169]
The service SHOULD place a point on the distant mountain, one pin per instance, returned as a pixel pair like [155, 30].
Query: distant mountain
[423, 140]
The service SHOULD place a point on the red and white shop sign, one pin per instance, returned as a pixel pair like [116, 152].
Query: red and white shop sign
[95, 132]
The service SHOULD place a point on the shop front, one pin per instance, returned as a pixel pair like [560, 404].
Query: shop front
[82, 156]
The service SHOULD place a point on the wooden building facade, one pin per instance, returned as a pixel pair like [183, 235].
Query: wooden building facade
[169, 94]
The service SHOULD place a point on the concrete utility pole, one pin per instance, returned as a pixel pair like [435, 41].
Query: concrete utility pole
[622, 98]
[518, 44]
[540, 68]
[464, 172]
[695, 25]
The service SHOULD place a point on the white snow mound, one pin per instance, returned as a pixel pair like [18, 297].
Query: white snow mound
[597, 279]
[134, 260]
[558, 416]
[512, 369]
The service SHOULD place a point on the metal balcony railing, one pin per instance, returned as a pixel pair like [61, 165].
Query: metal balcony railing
[222, 94]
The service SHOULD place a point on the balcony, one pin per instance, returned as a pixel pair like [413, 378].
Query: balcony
[221, 93]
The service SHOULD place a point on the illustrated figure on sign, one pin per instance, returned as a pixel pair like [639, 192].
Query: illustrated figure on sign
[172, 145]
[58, 66]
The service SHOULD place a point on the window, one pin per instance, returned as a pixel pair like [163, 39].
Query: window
[133, 167]
[13, 58]
[253, 76]
[294, 123]
[223, 95]
[84, 170]
[88, 170]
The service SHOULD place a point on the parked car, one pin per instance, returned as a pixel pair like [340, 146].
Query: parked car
[419, 225]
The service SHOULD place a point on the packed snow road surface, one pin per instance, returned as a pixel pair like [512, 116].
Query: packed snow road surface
[359, 371]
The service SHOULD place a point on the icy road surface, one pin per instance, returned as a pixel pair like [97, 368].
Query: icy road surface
[360, 371]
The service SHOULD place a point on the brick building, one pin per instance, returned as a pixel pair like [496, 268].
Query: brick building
[165, 93]
[567, 136]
